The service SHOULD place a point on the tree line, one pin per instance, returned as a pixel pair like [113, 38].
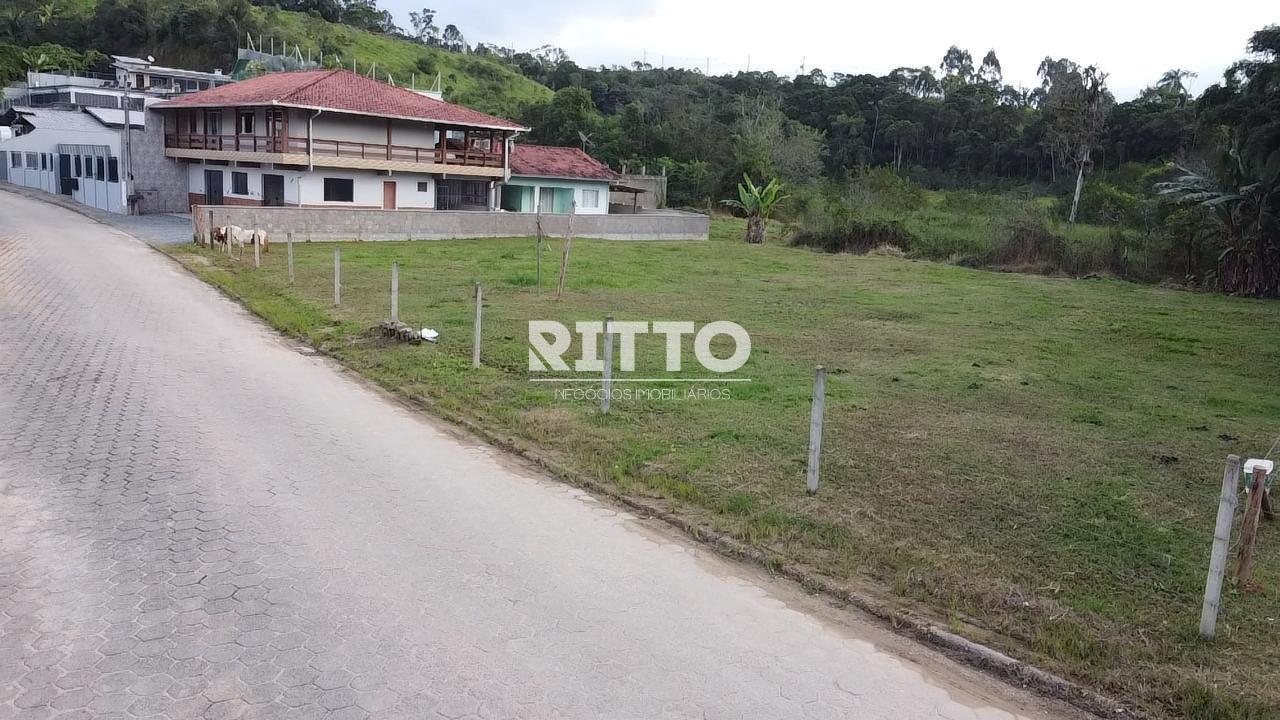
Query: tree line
[953, 125]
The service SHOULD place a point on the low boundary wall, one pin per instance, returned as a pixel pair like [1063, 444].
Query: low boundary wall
[327, 224]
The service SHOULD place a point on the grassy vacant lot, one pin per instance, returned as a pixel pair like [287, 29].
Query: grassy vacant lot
[1034, 460]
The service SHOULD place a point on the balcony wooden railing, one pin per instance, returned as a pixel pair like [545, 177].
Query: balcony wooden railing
[320, 148]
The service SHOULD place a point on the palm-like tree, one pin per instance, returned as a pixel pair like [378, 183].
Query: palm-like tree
[1241, 194]
[1247, 255]
[1173, 85]
[757, 202]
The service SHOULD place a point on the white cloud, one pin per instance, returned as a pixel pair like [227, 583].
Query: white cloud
[1132, 41]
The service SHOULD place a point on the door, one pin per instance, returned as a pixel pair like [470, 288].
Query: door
[273, 190]
[275, 131]
[65, 185]
[388, 194]
[212, 187]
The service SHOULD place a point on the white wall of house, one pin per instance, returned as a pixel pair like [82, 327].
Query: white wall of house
[413, 190]
[325, 126]
[102, 194]
[195, 181]
[591, 196]
[368, 188]
[413, 134]
[354, 128]
[44, 176]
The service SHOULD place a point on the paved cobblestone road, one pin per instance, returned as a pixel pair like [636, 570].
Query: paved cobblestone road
[197, 520]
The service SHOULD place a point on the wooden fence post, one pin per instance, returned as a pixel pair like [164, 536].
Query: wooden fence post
[337, 275]
[537, 250]
[815, 426]
[395, 291]
[289, 242]
[1249, 528]
[568, 244]
[475, 340]
[1221, 544]
[606, 384]
[257, 252]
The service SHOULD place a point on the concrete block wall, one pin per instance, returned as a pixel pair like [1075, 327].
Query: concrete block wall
[653, 197]
[326, 224]
[161, 181]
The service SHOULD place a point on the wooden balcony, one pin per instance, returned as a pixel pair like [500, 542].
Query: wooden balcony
[453, 158]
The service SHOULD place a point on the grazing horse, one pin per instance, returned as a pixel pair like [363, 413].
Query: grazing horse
[234, 235]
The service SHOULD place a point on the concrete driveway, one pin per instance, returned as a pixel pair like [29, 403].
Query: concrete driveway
[201, 520]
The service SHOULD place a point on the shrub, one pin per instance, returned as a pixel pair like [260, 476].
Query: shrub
[852, 235]
[881, 188]
[1105, 204]
[1025, 242]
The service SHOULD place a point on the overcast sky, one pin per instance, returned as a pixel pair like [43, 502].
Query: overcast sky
[1132, 41]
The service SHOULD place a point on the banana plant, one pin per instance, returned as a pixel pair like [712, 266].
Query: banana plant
[757, 202]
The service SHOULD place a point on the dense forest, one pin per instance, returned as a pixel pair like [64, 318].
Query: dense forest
[1189, 186]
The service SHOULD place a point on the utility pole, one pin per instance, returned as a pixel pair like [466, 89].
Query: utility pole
[126, 172]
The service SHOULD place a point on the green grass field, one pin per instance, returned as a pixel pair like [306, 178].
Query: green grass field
[1033, 460]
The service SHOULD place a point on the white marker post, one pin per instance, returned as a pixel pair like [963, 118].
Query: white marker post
[1221, 544]
[337, 275]
[606, 384]
[395, 292]
[289, 241]
[815, 427]
[475, 340]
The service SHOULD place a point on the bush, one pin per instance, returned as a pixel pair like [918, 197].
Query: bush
[1025, 242]
[1102, 203]
[882, 189]
[852, 235]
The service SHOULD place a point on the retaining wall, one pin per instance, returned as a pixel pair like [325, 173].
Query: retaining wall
[326, 224]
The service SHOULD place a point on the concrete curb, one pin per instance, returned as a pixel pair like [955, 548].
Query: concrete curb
[900, 621]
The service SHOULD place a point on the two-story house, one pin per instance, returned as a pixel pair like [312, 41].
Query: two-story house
[332, 138]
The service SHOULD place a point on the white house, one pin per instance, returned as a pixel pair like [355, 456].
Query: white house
[332, 138]
[64, 132]
[549, 179]
[71, 152]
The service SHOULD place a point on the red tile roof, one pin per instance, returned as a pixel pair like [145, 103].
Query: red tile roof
[341, 91]
[561, 162]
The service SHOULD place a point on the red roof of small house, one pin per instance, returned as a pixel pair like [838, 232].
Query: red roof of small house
[560, 162]
[340, 91]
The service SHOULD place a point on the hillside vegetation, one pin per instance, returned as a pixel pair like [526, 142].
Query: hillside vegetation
[483, 83]
[205, 36]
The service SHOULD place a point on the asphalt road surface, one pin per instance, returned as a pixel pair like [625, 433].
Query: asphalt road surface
[197, 519]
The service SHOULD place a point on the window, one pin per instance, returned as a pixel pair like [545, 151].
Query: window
[191, 123]
[100, 169]
[77, 172]
[339, 190]
[44, 161]
[88, 167]
[246, 123]
[424, 186]
[239, 183]
[32, 161]
[113, 170]
[213, 123]
[15, 159]
[590, 198]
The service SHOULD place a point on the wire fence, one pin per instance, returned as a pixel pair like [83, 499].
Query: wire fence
[1040, 534]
